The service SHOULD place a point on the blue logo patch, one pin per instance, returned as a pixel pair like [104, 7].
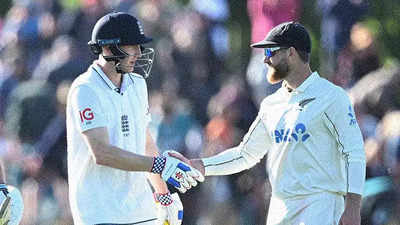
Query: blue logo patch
[289, 135]
[352, 118]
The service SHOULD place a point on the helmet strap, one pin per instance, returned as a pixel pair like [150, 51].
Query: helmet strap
[118, 68]
[118, 55]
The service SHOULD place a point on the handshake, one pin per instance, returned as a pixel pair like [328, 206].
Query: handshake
[175, 171]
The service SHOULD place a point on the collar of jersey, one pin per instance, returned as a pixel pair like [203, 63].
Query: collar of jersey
[126, 81]
[307, 82]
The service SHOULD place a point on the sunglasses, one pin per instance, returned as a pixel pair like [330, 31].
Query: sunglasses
[269, 52]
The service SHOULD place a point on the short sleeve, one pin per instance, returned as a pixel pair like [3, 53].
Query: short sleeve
[86, 109]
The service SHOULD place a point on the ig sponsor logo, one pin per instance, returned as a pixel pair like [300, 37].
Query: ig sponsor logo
[86, 116]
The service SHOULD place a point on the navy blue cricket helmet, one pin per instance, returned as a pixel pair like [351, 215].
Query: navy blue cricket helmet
[119, 28]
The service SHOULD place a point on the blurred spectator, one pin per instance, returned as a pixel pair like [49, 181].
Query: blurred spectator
[230, 111]
[382, 194]
[377, 92]
[78, 22]
[359, 58]
[233, 101]
[30, 110]
[14, 59]
[185, 53]
[374, 158]
[61, 63]
[176, 124]
[337, 19]
[381, 203]
[50, 150]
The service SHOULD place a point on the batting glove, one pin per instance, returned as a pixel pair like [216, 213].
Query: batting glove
[175, 172]
[5, 205]
[170, 209]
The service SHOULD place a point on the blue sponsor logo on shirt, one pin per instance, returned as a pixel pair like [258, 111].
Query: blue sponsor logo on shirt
[352, 118]
[297, 134]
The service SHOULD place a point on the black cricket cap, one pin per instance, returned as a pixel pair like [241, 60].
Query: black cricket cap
[287, 34]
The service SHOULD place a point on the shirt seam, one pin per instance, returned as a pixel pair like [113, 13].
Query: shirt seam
[221, 163]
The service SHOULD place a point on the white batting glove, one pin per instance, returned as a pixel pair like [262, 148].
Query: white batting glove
[5, 205]
[175, 172]
[170, 209]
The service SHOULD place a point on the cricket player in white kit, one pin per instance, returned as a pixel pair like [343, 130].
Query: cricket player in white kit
[308, 130]
[110, 150]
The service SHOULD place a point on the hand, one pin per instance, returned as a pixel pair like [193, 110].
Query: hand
[5, 205]
[176, 172]
[195, 163]
[170, 209]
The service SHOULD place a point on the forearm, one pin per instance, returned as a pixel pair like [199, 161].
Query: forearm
[107, 155]
[117, 158]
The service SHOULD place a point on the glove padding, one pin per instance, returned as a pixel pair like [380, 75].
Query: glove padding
[179, 174]
[170, 209]
[5, 205]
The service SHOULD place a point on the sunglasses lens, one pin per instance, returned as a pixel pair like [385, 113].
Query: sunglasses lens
[268, 52]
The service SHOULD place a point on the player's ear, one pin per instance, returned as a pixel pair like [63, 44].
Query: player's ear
[106, 50]
[292, 51]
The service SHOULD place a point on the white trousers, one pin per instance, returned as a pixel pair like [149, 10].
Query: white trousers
[316, 209]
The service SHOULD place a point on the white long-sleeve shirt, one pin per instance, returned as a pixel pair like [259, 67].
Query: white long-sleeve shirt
[101, 194]
[312, 141]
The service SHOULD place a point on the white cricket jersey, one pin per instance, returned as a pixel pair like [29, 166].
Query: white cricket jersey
[311, 138]
[101, 194]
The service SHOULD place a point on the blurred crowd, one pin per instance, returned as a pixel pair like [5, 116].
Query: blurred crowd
[201, 103]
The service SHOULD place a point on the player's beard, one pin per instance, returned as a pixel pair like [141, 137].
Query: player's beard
[279, 72]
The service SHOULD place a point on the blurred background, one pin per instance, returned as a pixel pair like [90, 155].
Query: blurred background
[204, 90]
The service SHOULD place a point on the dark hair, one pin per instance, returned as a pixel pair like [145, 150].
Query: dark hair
[304, 56]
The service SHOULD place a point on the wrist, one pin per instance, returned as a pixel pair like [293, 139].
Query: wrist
[353, 201]
[199, 165]
[158, 164]
[165, 199]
